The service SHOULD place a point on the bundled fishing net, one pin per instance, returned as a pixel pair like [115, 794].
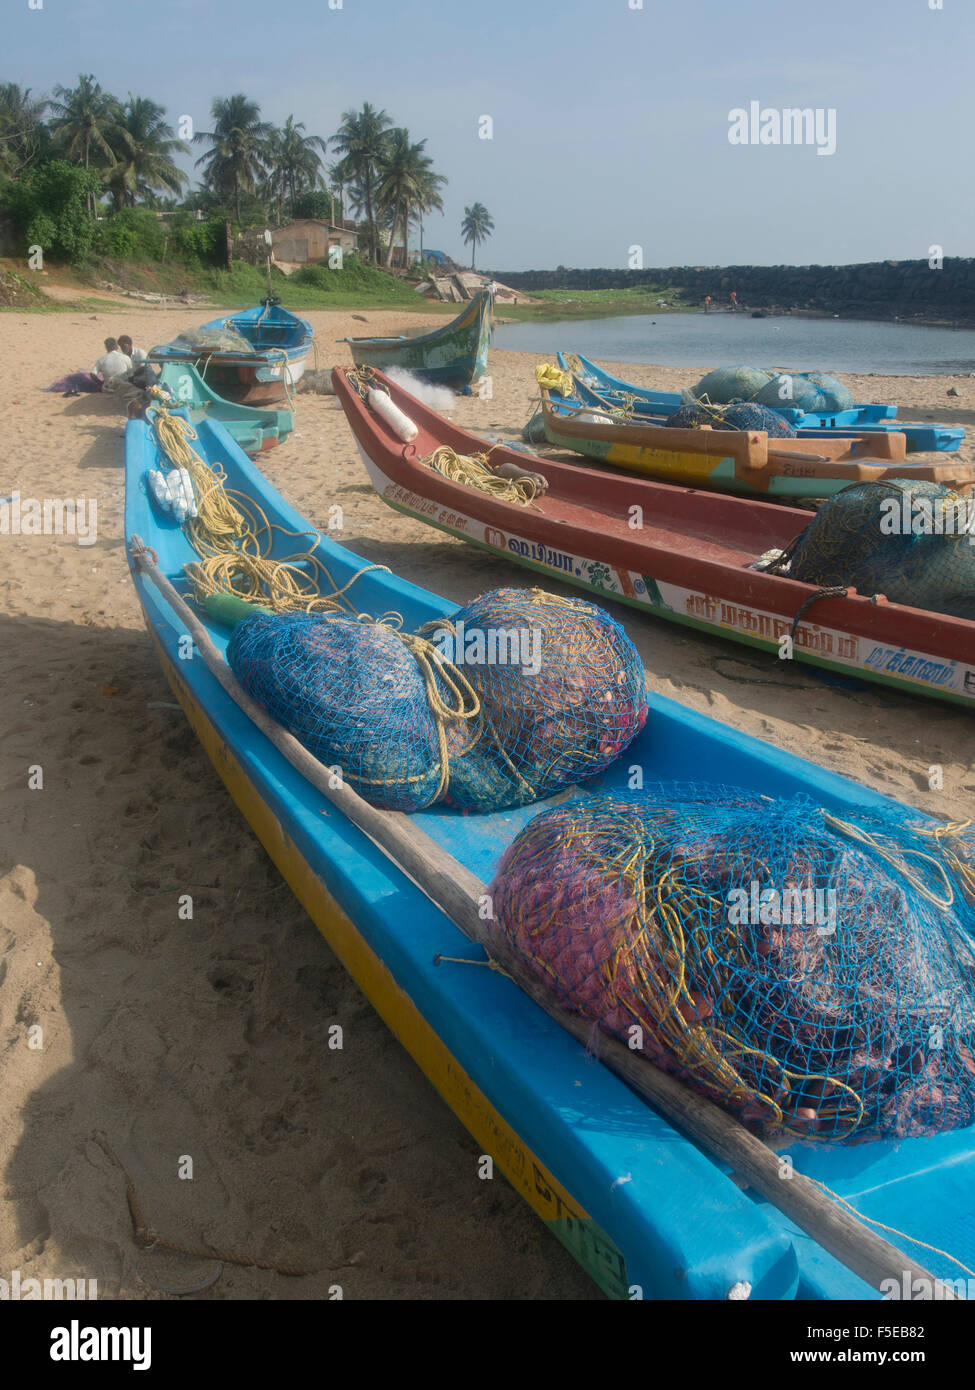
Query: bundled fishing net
[212, 340]
[835, 395]
[907, 539]
[746, 415]
[814, 974]
[356, 696]
[534, 431]
[561, 690]
[519, 697]
[741, 415]
[810, 391]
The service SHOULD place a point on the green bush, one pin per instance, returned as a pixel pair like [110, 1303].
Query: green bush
[196, 243]
[49, 205]
[353, 276]
[133, 234]
[318, 204]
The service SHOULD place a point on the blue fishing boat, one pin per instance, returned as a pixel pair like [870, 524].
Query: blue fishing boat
[252, 358]
[599, 387]
[642, 1208]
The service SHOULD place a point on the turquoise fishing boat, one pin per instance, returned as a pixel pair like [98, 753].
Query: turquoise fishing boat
[598, 387]
[640, 1206]
[454, 355]
[253, 428]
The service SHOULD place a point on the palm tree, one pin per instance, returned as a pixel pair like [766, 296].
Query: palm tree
[86, 122]
[429, 201]
[361, 141]
[478, 224]
[235, 162]
[406, 186]
[21, 131]
[273, 187]
[144, 147]
[298, 159]
[342, 176]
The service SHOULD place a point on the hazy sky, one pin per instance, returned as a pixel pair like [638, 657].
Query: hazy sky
[610, 123]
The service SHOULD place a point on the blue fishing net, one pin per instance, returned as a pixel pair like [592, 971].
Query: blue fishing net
[725, 384]
[739, 415]
[904, 538]
[518, 697]
[562, 693]
[816, 392]
[790, 391]
[835, 395]
[352, 694]
[746, 415]
[814, 973]
[693, 417]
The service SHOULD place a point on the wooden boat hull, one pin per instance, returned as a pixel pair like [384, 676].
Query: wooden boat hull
[455, 355]
[859, 419]
[281, 343]
[687, 562]
[254, 429]
[560, 1127]
[744, 462]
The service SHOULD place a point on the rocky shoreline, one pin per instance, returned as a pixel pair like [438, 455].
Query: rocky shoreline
[939, 292]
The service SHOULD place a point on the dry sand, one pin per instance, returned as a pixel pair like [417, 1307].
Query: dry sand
[208, 1038]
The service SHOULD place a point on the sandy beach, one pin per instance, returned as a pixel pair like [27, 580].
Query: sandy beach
[162, 1038]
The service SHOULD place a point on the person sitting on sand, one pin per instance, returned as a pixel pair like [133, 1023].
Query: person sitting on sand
[112, 364]
[136, 354]
[143, 373]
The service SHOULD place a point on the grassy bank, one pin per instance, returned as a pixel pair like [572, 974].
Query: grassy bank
[594, 304]
[356, 286]
[314, 287]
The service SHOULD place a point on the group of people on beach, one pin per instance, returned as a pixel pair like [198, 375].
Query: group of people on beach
[121, 365]
[122, 368]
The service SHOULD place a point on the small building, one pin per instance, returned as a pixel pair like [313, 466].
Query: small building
[308, 240]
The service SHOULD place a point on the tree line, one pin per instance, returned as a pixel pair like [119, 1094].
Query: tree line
[83, 147]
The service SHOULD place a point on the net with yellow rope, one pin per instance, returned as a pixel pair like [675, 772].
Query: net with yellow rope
[814, 973]
[518, 696]
[234, 538]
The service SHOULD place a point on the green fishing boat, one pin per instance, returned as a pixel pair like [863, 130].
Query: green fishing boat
[455, 355]
[254, 428]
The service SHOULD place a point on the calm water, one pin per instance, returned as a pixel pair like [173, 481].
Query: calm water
[713, 340]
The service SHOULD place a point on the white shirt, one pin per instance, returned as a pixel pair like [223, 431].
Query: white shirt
[138, 355]
[113, 364]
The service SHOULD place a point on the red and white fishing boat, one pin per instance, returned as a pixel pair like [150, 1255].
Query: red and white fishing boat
[674, 552]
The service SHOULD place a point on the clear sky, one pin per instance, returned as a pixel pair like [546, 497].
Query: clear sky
[610, 123]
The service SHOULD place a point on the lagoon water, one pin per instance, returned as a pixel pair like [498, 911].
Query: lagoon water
[713, 340]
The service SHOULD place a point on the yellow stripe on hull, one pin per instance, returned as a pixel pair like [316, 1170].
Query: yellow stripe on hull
[567, 1220]
[690, 469]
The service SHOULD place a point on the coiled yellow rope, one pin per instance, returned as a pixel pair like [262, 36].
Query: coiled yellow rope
[473, 471]
[233, 537]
